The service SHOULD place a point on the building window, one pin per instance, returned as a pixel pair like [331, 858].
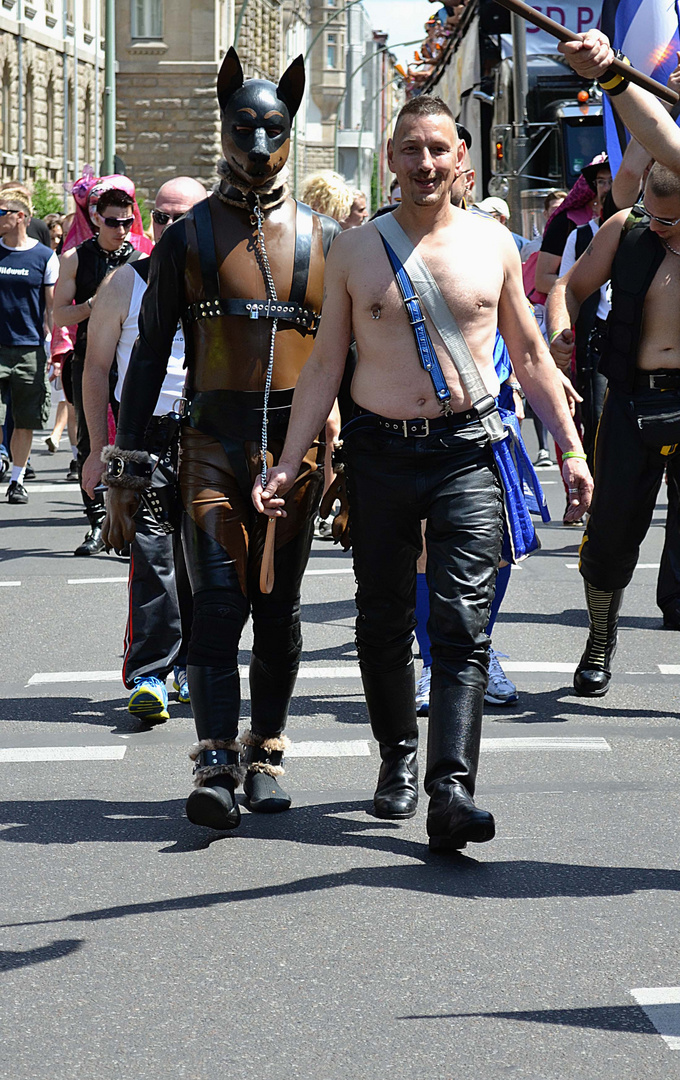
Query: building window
[29, 128]
[87, 14]
[49, 119]
[331, 50]
[147, 19]
[49, 6]
[6, 110]
[70, 11]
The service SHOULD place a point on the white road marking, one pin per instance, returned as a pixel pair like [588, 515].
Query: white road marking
[72, 676]
[557, 668]
[669, 669]
[544, 743]
[661, 1004]
[640, 566]
[62, 753]
[94, 580]
[42, 489]
[322, 573]
[320, 748]
[9, 584]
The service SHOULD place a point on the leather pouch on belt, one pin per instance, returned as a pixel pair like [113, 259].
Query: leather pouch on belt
[659, 424]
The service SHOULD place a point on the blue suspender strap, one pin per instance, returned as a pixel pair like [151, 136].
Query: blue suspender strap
[426, 354]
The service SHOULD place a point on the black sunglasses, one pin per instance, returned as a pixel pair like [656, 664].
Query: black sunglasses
[162, 219]
[3, 211]
[119, 222]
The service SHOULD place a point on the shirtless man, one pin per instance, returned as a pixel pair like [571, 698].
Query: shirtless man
[438, 468]
[641, 358]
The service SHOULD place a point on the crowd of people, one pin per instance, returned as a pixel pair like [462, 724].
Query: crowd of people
[208, 337]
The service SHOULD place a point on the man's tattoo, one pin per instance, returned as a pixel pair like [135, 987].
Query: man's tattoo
[589, 249]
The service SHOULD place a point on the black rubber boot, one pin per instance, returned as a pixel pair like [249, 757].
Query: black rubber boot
[396, 795]
[593, 674]
[262, 757]
[390, 698]
[454, 735]
[217, 774]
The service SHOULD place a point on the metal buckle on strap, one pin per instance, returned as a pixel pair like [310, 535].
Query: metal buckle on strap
[667, 381]
[485, 406]
[415, 434]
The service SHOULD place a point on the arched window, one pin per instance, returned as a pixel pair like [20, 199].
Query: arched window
[29, 126]
[6, 110]
[49, 118]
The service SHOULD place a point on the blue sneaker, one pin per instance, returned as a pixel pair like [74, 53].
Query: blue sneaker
[500, 690]
[181, 685]
[423, 692]
[149, 700]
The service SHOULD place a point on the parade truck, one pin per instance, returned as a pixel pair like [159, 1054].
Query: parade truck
[534, 123]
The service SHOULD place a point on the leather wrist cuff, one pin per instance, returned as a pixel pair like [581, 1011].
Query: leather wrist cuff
[127, 468]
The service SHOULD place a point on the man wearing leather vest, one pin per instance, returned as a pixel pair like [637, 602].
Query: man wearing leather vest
[639, 434]
[244, 272]
[82, 271]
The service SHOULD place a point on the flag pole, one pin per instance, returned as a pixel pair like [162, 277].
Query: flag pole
[555, 29]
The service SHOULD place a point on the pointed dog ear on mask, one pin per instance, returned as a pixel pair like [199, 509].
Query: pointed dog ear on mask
[291, 86]
[230, 77]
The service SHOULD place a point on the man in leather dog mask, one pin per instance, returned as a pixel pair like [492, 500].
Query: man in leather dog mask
[243, 270]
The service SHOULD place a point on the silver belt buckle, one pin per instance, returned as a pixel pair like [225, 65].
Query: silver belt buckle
[417, 434]
[652, 383]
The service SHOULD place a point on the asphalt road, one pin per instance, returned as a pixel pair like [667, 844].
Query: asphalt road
[324, 944]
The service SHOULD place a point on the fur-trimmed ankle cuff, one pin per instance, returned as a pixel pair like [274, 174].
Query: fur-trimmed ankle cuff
[202, 773]
[138, 479]
[259, 749]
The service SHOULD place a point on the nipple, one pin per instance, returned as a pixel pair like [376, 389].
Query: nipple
[375, 311]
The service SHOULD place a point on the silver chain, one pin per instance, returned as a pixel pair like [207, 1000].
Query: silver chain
[271, 291]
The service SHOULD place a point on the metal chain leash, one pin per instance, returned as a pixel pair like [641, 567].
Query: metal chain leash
[271, 290]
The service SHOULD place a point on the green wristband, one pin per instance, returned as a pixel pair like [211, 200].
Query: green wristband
[574, 453]
[554, 334]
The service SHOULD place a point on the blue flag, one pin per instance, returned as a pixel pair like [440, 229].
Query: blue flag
[648, 32]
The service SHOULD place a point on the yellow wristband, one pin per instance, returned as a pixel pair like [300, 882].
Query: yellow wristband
[574, 453]
[616, 79]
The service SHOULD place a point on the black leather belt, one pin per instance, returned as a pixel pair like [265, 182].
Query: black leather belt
[657, 380]
[421, 426]
[304, 320]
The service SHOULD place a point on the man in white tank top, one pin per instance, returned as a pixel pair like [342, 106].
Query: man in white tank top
[160, 603]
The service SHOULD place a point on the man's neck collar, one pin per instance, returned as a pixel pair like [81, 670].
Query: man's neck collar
[106, 251]
[234, 191]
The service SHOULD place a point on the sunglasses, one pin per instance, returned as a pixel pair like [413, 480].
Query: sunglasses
[162, 219]
[119, 222]
[662, 221]
[3, 211]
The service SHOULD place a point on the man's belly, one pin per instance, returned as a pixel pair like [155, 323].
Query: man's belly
[404, 399]
[651, 358]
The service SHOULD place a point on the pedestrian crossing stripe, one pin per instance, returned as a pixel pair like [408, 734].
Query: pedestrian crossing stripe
[17, 754]
[661, 1005]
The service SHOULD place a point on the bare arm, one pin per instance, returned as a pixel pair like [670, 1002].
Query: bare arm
[108, 316]
[585, 277]
[66, 313]
[541, 381]
[628, 180]
[49, 308]
[318, 384]
[644, 116]
[547, 271]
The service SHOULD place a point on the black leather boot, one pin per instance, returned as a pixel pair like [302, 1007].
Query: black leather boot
[262, 757]
[93, 542]
[396, 795]
[390, 698]
[96, 512]
[593, 674]
[454, 735]
[217, 774]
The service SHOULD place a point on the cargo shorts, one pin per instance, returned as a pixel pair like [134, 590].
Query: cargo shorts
[23, 380]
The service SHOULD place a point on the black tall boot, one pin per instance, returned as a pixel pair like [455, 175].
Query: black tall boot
[215, 700]
[593, 674]
[454, 735]
[93, 542]
[390, 697]
[262, 757]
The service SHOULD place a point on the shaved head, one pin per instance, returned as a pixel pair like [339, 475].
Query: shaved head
[181, 188]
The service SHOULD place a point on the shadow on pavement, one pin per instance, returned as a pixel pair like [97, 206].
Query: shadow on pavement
[629, 1018]
[10, 960]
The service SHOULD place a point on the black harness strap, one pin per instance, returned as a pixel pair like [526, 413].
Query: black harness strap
[206, 249]
[304, 221]
[304, 320]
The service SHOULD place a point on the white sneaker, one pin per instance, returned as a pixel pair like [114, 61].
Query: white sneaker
[423, 692]
[543, 460]
[500, 690]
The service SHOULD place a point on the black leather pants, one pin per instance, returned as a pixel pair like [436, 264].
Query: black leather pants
[448, 479]
[628, 475]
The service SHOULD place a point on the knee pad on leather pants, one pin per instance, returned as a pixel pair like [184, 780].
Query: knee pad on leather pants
[219, 618]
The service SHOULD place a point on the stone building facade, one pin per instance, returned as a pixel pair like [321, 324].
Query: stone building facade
[167, 117]
[51, 88]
